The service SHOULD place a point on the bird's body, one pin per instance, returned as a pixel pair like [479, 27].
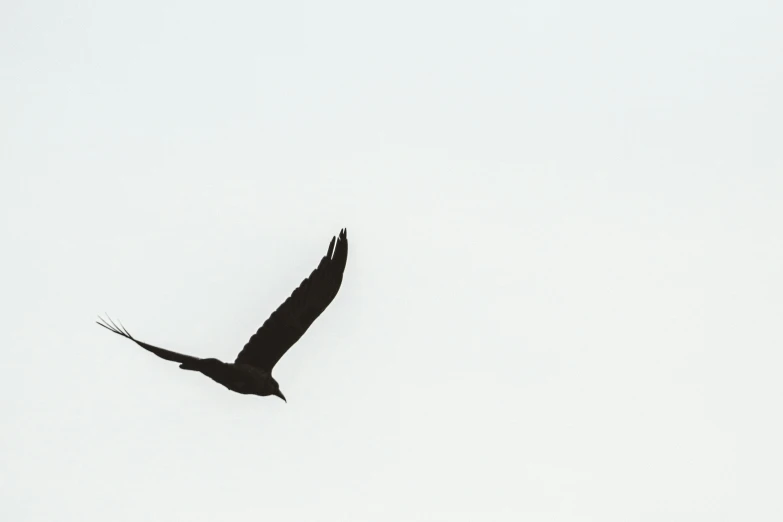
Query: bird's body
[240, 378]
[251, 373]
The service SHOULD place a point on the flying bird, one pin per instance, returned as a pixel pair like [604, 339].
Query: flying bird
[251, 372]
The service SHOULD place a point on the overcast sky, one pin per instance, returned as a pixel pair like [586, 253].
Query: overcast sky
[563, 296]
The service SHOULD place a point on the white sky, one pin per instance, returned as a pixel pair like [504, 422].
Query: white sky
[563, 296]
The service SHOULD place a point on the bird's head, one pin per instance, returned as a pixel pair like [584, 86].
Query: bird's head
[276, 389]
[278, 393]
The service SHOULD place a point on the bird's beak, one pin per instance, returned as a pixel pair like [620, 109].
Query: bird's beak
[280, 394]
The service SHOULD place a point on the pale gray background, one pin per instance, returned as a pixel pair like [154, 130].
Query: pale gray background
[563, 298]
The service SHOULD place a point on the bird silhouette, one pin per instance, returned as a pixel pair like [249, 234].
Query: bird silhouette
[251, 372]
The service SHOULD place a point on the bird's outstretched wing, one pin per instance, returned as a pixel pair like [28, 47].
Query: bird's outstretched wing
[292, 318]
[160, 352]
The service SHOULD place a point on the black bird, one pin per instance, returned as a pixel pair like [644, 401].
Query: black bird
[251, 372]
